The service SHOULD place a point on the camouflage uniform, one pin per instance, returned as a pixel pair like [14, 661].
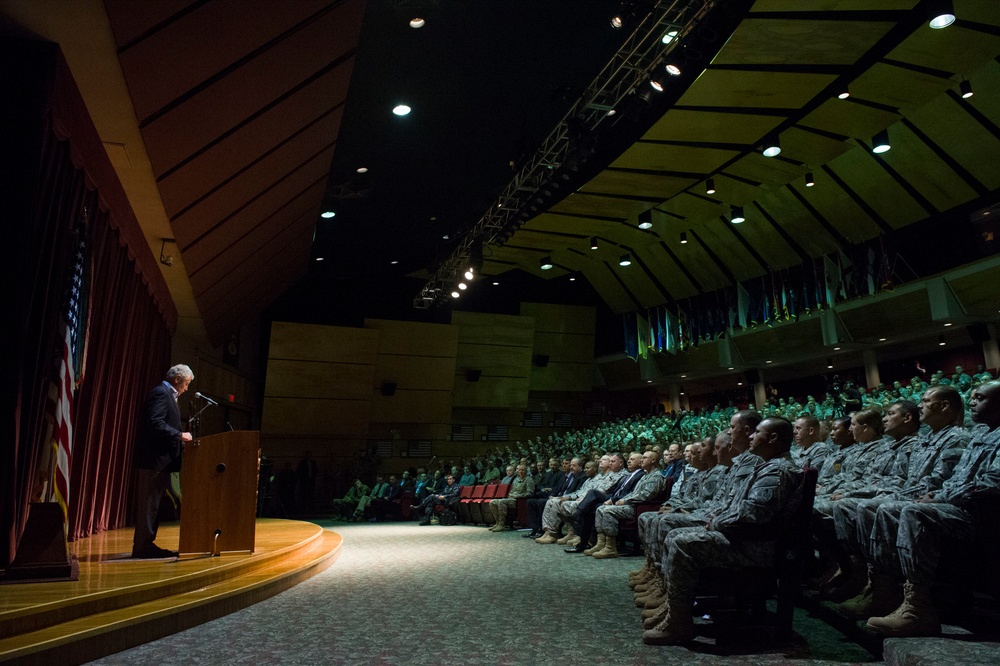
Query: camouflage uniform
[931, 462]
[814, 456]
[918, 528]
[520, 488]
[854, 472]
[767, 502]
[555, 511]
[607, 517]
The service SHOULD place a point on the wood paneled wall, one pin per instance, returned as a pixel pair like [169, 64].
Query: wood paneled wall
[500, 347]
[565, 334]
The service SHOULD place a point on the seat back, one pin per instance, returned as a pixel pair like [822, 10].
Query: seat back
[490, 492]
[465, 492]
[502, 490]
[478, 491]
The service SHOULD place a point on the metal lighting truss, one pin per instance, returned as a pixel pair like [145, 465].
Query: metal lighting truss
[643, 52]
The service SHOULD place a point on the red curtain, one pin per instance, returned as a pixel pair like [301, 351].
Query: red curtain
[66, 176]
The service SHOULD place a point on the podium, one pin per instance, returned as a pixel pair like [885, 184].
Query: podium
[219, 493]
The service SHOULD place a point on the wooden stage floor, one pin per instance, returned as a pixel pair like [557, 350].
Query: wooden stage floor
[119, 602]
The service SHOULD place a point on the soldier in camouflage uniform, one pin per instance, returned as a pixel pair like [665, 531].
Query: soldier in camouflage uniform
[608, 515]
[558, 507]
[939, 516]
[808, 450]
[765, 504]
[932, 461]
[523, 486]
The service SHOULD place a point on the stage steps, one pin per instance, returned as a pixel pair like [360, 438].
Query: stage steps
[94, 625]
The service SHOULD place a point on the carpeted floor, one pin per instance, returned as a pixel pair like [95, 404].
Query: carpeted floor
[405, 594]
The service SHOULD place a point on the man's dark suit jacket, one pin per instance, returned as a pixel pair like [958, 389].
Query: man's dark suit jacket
[159, 445]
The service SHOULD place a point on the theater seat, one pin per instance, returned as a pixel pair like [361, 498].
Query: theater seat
[476, 505]
[476, 492]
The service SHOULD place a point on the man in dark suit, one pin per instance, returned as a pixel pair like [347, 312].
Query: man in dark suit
[157, 455]
[572, 478]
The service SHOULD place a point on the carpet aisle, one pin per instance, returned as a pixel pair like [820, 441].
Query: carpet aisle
[405, 594]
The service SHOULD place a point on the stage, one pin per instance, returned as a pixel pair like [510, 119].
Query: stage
[118, 602]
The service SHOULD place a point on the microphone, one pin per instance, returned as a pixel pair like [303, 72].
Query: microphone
[205, 398]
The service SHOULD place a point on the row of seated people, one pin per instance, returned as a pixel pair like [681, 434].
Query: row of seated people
[383, 500]
[886, 509]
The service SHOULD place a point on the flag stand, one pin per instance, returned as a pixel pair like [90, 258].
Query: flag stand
[42, 553]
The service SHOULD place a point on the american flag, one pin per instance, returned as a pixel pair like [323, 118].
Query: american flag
[72, 353]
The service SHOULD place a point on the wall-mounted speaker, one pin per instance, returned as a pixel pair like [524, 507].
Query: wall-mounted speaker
[473, 374]
[388, 388]
[541, 360]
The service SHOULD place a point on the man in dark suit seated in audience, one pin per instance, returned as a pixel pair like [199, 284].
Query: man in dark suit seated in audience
[447, 497]
[571, 478]
[585, 512]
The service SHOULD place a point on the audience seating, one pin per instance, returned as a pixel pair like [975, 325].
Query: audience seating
[476, 514]
[465, 499]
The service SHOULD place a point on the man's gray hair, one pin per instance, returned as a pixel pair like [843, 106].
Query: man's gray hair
[181, 371]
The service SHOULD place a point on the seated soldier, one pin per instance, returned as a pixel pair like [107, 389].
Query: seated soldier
[809, 450]
[447, 498]
[522, 486]
[609, 514]
[774, 493]
[345, 506]
[595, 474]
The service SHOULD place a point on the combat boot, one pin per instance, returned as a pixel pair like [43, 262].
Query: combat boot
[501, 523]
[565, 541]
[610, 549]
[653, 616]
[880, 597]
[548, 537]
[655, 590]
[672, 630]
[601, 542]
[916, 616]
[846, 584]
[636, 577]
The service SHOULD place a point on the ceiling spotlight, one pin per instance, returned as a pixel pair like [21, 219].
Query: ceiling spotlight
[844, 94]
[626, 260]
[393, 262]
[737, 215]
[948, 324]
[417, 23]
[646, 220]
[684, 238]
[327, 214]
[572, 279]
[710, 186]
[611, 112]
[593, 243]
[462, 286]
[965, 87]
[617, 21]
[468, 274]
[495, 284]
[882, 339]
[836, 349]
[545, 264]
[455, 294]
[941, 342]
[655, 85]
[772, 147]
[673, 70]
[880, 143]
[401, 110]
[319, 258]
[768, 361]
[829, 364]
[669, 37]
[362, 170]
[810, 181]
[942, 13]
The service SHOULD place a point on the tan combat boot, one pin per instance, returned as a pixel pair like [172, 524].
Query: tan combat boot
[601, 542]
[672, 630]
[914, 617]
[610, 549]
[565, 541]
[655, 590]
[548, 537]
[880, 597]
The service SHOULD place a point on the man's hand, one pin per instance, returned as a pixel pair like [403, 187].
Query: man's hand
[186, 437]
[664, 509]
[607, 502]
[929, 497]
[620, 503]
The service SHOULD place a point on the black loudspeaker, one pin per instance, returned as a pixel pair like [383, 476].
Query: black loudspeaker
[979, 332]
[752, 376]
[388, 388]
[473, 374]
[541, 360]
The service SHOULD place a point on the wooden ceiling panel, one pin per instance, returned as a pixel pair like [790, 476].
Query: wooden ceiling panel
[227, 176]
[711, 126]
[767, 242]
[588, 204]
[207, 119]
[848, 118]
[764, 41]
[797, 221]
[665, 157]
[719, 237]
[849, 218]
[697, 261]
[601, 277]
[829, 5]
[898, 87]
[980, 11]
[769, 171]
[741, 89]
[956, 49]
[638, 282]
[637, 184]
[692, 207]
[674, 280]
[810, 148]
[889, 317]
[945, 123]
[921, 167]
[977, 292]
[201, 240]
[566, 224]
[185, 53]
[862, 174]
[130, 19]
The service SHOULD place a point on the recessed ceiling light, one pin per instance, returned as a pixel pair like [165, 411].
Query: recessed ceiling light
[649, 381]
[836, 349]
[455, 294]
[496, 284]
[319, 258]
[739, 383]
[942, 14]
[882, 339]
[768, 361]
[417, 23]
[326, 215]
[401, 109]
[941, 340]
[572, 279]
[463, 286]
[362, 169]
[947, 325]
[445, 237]
[683, 376]
[732, 368]
[393, 262]
[469, 274]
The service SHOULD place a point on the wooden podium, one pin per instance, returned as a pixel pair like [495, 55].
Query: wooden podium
[219, 493]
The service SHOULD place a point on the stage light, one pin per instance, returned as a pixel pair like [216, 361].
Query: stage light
[710, 186]
[737, 215]
[669, 37]
[617, 22]
[810, 181]
[462, 286]
[772, 147]
[401, 110]
[655, 84]
[417, 23]
[626, 260]
[545, 263]
[455, 294]
[942, 13]
[880, 143]
[469, 274]
[965, 87]
[673, 70]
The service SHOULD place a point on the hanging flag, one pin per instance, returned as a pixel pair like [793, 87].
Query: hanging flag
[742, 304]
[72, 354]
[642, 335]
[673, 331]
[631, 337]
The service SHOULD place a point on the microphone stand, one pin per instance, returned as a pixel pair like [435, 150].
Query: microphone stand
[194, 422]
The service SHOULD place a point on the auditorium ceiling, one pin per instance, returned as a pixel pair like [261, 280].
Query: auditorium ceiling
[256, 117]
